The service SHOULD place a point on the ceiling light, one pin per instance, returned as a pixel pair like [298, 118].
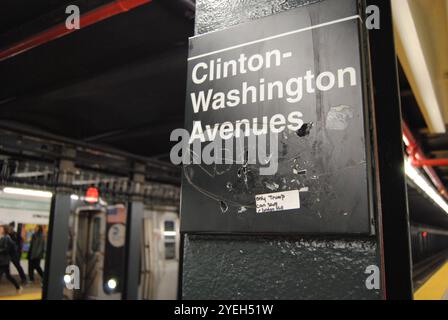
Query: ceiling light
[413, 52]
[424, 185]
[28, 192]
[406, 141]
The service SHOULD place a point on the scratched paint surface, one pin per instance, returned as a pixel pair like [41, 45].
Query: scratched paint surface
[276, 268]
[256, 267]
[212, 15]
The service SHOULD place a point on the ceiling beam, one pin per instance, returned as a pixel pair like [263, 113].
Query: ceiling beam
[412, 56]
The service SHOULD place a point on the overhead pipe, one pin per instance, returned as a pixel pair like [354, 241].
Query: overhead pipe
[429, 162]
[418, 159]
[89, 18]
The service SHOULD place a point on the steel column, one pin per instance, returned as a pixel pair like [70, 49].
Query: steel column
[57, 245]
[134, 227]
[272, 267]
[394, 216]
[58, 233]
[133, 243]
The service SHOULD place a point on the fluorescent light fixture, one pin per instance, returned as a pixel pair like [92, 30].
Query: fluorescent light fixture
[406, 141]
[169, 233]
[423, 184]
[90, 199]
[28, 192]
[405, 25]
[75, 197]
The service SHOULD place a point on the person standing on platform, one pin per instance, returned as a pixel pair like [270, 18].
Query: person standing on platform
[16, 252]
[36, 253]
[6, 245]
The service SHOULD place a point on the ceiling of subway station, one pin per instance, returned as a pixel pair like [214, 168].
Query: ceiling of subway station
[422, 47]
[119, 82]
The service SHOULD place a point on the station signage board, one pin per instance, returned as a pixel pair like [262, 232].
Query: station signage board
[286, 98]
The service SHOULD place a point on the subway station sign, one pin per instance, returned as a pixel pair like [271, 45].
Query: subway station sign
[277, 114]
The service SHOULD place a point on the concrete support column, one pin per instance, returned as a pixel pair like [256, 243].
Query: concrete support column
[134, 227]
[58, 232]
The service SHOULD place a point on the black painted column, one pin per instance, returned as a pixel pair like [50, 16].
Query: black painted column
[134, 227]
[301, 267]
[58, 233]
[394, 202]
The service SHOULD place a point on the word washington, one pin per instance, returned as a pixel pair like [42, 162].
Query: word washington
[292, 90]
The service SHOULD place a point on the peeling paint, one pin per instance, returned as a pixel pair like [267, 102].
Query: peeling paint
[267, 268]
[272, 186]
[224, 206]
[242, 210]
[339, 117]
[305, 130]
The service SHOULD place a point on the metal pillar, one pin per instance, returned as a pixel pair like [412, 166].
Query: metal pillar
[316, 266]
[394, 228]
[273, 267]
[58, 234]
[134, 238]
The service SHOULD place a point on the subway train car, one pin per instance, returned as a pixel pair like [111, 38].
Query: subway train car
[97, 247]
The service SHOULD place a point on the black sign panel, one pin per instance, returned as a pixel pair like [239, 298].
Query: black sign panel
[114, 256]
[298, 76]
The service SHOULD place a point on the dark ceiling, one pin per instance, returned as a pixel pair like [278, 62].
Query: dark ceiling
[120, 82]
[16, 13]
[423, 211]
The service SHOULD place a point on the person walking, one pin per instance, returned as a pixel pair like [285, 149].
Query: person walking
[36, 253]
[16, 251]
[6, 245]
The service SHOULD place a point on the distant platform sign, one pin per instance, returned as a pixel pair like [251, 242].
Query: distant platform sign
[277, 115]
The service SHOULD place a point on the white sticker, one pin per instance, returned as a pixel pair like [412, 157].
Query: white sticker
[281, 201]
[117, 235]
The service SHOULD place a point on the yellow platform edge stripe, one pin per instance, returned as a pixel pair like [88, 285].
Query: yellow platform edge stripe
[436, 288]
[28, 296]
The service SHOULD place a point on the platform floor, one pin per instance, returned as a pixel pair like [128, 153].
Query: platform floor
[168, 282]
[436, 288]
[30, 292]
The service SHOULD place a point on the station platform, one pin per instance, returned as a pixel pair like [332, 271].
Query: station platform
[436, 287]
[26, 296]
[30, 292]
